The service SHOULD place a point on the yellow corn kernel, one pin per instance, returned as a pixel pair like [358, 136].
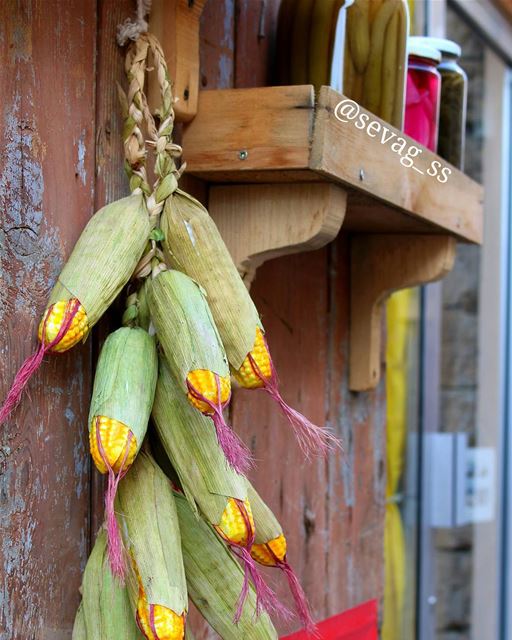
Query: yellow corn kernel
[268, 552]
[167, 624]
[233, 525]
[52, 321]
[114, 436]
[246, 375]
[205, 383]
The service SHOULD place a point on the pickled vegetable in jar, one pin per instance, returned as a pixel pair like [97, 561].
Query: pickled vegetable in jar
[311, 42]
[423, 94]
[375, 61]
[452, 112]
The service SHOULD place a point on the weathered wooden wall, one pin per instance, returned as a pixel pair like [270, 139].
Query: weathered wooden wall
[62, 159]
[47, 85]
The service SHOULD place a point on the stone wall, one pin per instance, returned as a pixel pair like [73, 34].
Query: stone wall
[453, 555]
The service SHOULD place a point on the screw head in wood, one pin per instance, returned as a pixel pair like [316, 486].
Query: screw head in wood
[243, 155]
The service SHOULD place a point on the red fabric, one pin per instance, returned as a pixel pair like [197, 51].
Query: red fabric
[359, 623]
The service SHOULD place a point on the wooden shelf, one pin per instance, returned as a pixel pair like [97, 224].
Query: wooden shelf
[280, 134]
[285, 174]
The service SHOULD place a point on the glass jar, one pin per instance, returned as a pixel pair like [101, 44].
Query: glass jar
[375, 60]
[310, 42]
[423, 93]
[452, 112]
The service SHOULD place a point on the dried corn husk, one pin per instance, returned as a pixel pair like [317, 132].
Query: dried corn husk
[192, 347]
[149, 525]
[79, 631]
[191, 445]
[104, 256]
[184, 326]
[107, 613]
[214, 580]
[125, 380]
[194, 246]
[267, 525]
[124, 388]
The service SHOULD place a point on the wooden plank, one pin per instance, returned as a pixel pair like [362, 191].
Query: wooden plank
[296, 141]
[455, 205]
[261, 222]
[46, 197]
[291, 293]
[250, 129]
[176, 25]
[355, 486]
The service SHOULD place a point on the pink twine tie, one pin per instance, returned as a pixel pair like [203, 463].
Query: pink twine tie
[236, 452]
[33, 362]
[115, 547]
[299, 597]
[311, 438]
[266, 599]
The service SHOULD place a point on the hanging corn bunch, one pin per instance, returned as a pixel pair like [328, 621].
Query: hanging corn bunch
[122, 397]
[194, 354]
[270, 550]
[212, 488]
[150, 530]
[194, 246]
[98, 268]
[214, 580]
[105, 612]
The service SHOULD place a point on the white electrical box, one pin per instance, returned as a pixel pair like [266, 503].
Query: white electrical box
[462, 481]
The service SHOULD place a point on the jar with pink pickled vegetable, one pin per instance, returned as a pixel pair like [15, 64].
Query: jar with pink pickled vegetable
[422, 94]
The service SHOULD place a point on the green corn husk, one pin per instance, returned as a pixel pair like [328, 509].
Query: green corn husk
[104, 256]
[79, 630]
[194, 246]
[266, 524]
[214, 580]
[185, 326]
[191, 445]
[149, 525]
[125, 380]
[107, 613]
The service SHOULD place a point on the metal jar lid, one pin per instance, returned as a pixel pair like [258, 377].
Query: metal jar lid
[443, 45]
[417, 46]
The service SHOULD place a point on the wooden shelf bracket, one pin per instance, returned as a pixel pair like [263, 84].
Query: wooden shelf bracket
[263, 221]
[380, 265]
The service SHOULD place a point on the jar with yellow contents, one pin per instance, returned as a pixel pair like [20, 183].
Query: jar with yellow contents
[357, 47]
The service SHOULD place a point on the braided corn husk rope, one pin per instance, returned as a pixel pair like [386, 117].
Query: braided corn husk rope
[139, 120]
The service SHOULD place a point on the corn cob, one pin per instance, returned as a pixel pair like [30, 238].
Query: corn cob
[99, 266]
[270, 550]
[214, 580]
[194, 353]
[149, 525]
[106, 612]
[213, 489]
[124, 388]
[194, 246]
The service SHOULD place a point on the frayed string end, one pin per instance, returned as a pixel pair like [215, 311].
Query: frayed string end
[237, 454]
[33, 362]
[115, 546]
[300, 600]
[313, 440]
[266, 599]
